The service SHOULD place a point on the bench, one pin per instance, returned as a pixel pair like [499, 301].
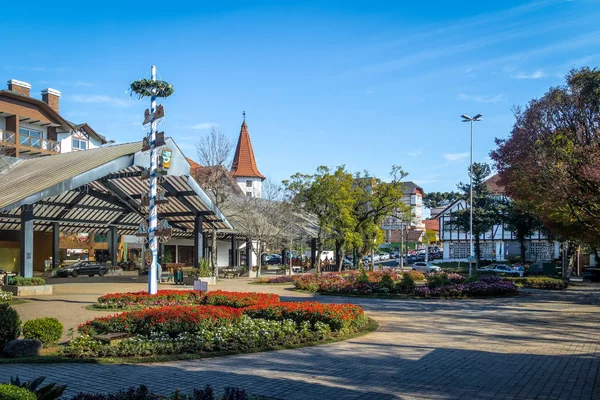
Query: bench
[231, 273]
[112, 339]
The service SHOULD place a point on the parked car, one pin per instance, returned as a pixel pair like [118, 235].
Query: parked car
[500, 269]
[438, 255]
[274, 259]
[591, 274]
[425, 267]
[82, 268]
[376, 257]
[384, 256]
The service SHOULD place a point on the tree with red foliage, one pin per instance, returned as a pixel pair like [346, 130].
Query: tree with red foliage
[550, 163]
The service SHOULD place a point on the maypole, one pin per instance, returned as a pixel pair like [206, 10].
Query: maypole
[153, 230]
[153, 214]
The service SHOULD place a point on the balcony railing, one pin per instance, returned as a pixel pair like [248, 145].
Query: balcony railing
[28, 142]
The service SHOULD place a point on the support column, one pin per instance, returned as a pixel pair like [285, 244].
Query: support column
[55, 244]
[27, 241]
[313, 253]
[234, 262]
[205, 242]
[112, 244]
[249, 254]
[198, 240]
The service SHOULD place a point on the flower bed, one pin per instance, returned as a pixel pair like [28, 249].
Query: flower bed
[239, 299]
[231, 322]
[277, 279]
[5, 297]
[169, 320]
[540, 282]
[136, 300]
[363, 283]
[485, 286]
[337, 316]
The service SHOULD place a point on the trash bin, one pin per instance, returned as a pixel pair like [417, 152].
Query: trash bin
[178, 276]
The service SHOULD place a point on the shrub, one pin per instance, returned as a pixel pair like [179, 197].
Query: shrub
[5, 297]
[52, 391]
[11, 392]
[540, 282]
[386, 282]
[143, 393]
[362, 277]
[47, 330]
[170, 320]
[407, 284]
[21, 281]
[415, 275]
[10, 325]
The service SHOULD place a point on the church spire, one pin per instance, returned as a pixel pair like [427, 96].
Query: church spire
[244, 163]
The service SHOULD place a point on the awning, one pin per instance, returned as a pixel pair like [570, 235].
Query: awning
[92, 190]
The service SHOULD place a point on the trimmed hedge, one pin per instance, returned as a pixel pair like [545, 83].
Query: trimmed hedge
[10, 392]
[46, 330]
[540, 282]
[21, 281]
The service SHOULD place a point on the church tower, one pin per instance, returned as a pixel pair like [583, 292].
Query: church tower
[243, 167]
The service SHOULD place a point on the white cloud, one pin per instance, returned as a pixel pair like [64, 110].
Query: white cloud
[478, 98]
[455, 156]
[534, 75]
[100, 99]
[415, 153]
[202, 126]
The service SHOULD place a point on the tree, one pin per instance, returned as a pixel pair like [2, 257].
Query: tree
[328, 195]
[522, 223]
[262, 220]
[440, 199]
[550, 163]
[214, 154]
[486, 209]
[376, 200]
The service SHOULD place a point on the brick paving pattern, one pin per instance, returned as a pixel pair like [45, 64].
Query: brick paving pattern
[542, 345]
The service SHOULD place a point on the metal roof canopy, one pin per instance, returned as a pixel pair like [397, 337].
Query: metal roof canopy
[92, 190]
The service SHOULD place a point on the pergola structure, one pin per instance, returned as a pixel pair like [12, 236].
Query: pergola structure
[99, 191]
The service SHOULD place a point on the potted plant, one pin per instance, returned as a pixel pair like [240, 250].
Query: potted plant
[201, 273]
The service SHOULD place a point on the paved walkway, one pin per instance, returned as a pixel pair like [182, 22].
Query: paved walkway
[543, 345]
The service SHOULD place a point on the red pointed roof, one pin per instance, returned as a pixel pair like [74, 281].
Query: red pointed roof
[244, 163]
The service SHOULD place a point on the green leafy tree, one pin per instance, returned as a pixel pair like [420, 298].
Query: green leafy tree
[486, 209]
[328, 195]
[375, 200]
[521, 222]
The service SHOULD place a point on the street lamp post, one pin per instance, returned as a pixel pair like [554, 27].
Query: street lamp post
[466, 118]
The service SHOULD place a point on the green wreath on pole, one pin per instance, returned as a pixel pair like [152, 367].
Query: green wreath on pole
[149, 88]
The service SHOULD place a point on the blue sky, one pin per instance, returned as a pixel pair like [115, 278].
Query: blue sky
[366, 84]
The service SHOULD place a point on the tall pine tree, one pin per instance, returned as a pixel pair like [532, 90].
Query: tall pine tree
[487, 210]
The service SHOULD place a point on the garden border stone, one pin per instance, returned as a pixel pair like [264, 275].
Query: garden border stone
[40, 290]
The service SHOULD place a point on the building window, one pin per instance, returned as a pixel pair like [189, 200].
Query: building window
[80, 144]
[30, 137]
[248, 183]
[248, 194]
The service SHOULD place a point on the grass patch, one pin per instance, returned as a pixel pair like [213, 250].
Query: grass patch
[51, 357]
[15, 302]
